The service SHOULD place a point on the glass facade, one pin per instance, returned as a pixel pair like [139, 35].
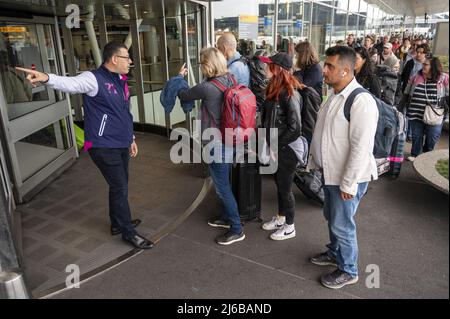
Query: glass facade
[323, 22]
[169, 34]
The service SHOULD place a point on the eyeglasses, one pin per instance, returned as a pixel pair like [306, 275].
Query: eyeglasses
[124, 57]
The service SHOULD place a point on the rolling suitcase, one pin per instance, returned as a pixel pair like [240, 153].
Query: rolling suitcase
[246, 186]
[397, 154]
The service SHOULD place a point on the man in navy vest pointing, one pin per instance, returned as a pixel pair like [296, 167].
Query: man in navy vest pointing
[108, 126]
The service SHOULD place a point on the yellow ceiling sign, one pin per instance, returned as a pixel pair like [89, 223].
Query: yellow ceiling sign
[248, 19]
[13, 29]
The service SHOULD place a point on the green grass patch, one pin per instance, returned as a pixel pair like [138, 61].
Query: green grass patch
[442, 167]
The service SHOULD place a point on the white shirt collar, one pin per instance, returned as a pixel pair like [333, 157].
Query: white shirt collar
[349, 88]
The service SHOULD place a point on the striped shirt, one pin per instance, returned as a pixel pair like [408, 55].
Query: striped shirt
[425, 93]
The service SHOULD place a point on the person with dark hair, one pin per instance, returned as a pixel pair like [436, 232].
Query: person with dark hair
[396, 44]
[380, 46]
[413, 66]
[351, 41]
[364, 72]
[402, 51]
[429, 87]
[309, 70]
[282, 110]
[368, 42]
[108, 126]
[342, 150]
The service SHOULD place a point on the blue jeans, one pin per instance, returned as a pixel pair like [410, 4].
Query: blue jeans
[113, 164]
[340, 214]
[419, 130]
[220, 174]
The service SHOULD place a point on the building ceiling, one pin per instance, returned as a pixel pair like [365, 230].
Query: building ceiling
[412, 7]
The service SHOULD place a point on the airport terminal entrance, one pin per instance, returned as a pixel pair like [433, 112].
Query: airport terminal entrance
[36, 121]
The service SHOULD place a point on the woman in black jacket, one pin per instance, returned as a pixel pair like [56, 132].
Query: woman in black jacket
[364, 72]
[282, 110]
[309, 70]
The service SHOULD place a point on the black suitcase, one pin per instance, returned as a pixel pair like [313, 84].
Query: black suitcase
[246, 186]
[397, 155]
[310, 184]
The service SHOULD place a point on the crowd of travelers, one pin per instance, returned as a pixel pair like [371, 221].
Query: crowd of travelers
[401, 73]
[334, 134]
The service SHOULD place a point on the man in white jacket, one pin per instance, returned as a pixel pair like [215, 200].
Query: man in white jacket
[343, 150]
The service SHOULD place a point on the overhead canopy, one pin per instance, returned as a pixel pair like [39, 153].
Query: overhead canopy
[411, 7]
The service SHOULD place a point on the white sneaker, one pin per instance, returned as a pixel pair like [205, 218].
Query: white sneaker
[411, 158]
[276, 223]
[285, 232]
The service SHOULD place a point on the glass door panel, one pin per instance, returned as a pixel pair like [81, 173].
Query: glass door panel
[20, 45]
[36, 120]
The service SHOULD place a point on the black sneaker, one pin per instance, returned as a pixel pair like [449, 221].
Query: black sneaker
[338, 279]
[323, 260]
[230, 238]
[218, 223]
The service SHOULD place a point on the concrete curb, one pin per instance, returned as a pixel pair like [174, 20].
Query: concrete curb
[425, 164]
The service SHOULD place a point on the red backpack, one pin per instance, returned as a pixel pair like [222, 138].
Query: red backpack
[238, 112]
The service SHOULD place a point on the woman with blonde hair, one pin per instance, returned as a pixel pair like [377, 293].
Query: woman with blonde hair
[309, 70]
[214, 67]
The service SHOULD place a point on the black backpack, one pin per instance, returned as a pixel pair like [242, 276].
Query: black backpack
[388, 123]
[258, 80]
[388, 83]
[311, 184]
[311, 101]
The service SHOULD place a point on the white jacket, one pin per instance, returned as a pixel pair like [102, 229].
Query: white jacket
[345, 149]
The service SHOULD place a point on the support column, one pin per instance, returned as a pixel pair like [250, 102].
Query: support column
[165, 61]
[346, 20]
[92, 36]
[134, 32]
[212, 35]
[333, 11]
[100, 18]
[275, 26]
[311, 6]
[70, 55]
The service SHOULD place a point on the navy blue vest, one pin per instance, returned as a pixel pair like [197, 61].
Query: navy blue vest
[108, 122]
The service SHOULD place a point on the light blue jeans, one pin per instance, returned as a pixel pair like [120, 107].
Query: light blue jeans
[340, 215]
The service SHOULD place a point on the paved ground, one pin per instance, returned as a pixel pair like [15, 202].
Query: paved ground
[403, 229]
[68, 223]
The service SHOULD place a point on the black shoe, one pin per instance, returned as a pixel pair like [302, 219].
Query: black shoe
[218, 223]
[338, 279]
[323, 260]
[230, 238]
[139, 242]
[117, 231]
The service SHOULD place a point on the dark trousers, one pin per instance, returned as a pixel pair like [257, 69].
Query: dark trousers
[113, 164]
[424, 137]
[284, 177]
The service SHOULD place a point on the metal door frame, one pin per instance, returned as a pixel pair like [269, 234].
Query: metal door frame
[27, 124]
